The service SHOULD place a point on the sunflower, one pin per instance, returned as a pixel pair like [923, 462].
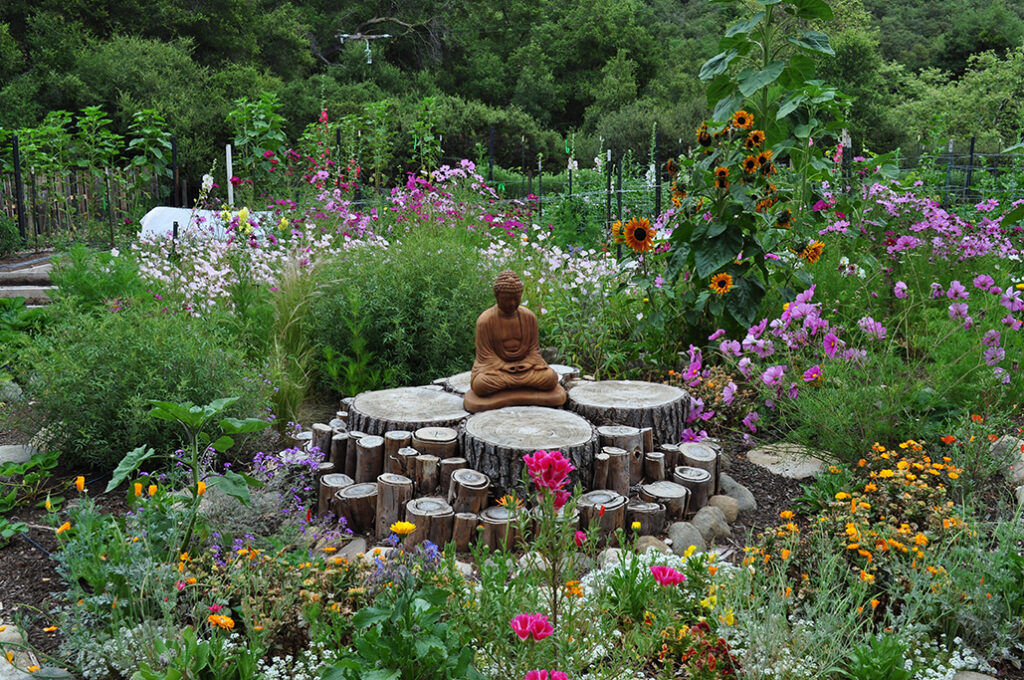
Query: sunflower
[639, 234]
[754, 139]
[617, 231]
[721, 183]
[764, 157]
[750, 164]
[721, 173]
[678, 194]
[785, 219]
[703, 138]
[721, 283]
[742, 120]
[768, 169]
[812, 252]
[670, 168]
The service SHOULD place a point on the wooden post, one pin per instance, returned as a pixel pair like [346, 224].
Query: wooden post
[436, 441]
[673, 496]
[425, 474]
[357, 503]
[394, 491]
[330, 484]
[647, 437]
[601, 464]
[339, 447]
[654, 466]
[369, 458]
[448, 468]
[671, 452]
[433, 518]
[468, 491]
[499, 529]
[629, 438]
[618, 469]
[703, 456]
[464, 530]
[393, 441]
[698, 481]
[405, 458]
[650, 515]
[322, 439]
[606, 507]
[19, 187]
[350, 452]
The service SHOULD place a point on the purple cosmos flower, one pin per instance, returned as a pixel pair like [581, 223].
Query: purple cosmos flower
[937, 291]
[812, 374]
[750, 419]
[690, 435]
[772, 376]
[900, 290]
[991, 338]
[1001, 374]
[744, 367]
[958, 310]
[872, 328]
[793, 392]
[731, 348]
[1011, 322]
[993, 355]
[830, 343]
[729, 393]
[983, 282]
[956, 291]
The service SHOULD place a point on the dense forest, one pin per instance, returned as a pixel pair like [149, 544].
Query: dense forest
[549, 75]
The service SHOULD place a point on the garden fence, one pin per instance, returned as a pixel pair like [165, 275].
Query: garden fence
[966, 175]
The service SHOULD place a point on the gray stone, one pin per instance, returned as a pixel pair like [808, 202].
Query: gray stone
[645, 543]
[971, 675]
[609, 556]
[1007, 449]
[352, 549]
[465, 568]
[16, 453]
[43, 440]
[683, 535]
[22, 659]
[729, 506]
[10, 391]
[532, 560]
[787, 460]
[711, 524]
[739, 493]
[381, 551]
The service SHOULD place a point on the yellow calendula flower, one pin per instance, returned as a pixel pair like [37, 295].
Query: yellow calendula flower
[138, 489]
[200, 488]
[403, 528]
[80, 483]
[63, 527]
[635, 526]
[151, 490]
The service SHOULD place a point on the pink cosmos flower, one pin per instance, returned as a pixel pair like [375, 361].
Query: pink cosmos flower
[812, 374]
[830, 343]
[750, 419]
[536, 626]
[691, 435]
[773, 375]
[957, 291]
[543, 675]
[729, 393]
[716, 335]
[900, 290]
[667, 576]
[983, 282]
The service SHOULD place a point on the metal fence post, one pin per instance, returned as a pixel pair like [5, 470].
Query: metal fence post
[657, 173]
[970, 170]
[490, 156]
[949, 171]
[19, 187]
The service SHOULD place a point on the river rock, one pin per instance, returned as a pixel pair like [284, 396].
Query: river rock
[711, 524]
[683, 535]
[609, 556]
[353, 548]
[1008, 449]
[971, 675]
[729, 506]
[645, 543]
[787, 460]
[741, 494]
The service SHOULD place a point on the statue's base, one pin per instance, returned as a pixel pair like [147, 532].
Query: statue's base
[521, 397]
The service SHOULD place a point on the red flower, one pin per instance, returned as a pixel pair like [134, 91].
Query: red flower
[667, 576]
[600, 513]
[581, 536]
[215, 608]
[536, 626]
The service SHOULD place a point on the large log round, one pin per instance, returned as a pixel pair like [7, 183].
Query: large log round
[404, 408]
[635, 403]
[494, 442]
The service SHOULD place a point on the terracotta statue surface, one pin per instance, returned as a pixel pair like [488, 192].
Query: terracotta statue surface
[509, 370]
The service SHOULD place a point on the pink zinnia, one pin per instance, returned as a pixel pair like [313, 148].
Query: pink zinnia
[667, 576]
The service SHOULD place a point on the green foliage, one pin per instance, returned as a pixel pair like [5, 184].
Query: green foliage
[9, 530]
[258, 129]
[151, 142]
[22, 483]
[88, 280]
[10, 237]
[880, 658]
[213, 658]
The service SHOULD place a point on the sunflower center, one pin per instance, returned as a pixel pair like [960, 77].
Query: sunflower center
[640, 234]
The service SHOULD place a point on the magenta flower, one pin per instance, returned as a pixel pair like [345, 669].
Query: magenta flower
[872, 328]
[937, 291]
[548, 469]
[543, 675]
[729, 393]
[900, 290]
[993, 355]
[772, 375]
[691, 435]
[830, 343]
[958, 310]
[667, 576]
[1011, 322]
[235, 181]
[536, 626]
[730, 348]
[750, 419]
[983, 282]
[991, 338]
[581, 537]
[716, 335]
[812, 374]
[956, 291]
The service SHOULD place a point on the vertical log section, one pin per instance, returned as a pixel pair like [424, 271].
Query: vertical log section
[448, 468]
[698, 481]
[673, 496]
[350, 452]
[464, 530]
[650, 515]
[393, 492]
[406, 456]
[433, 518]
[369, 458]
[426, 472]
[358, 504]
[436, 441]
[631, 402]
[339, 448]
[322, 439]
[613, 516]
[618, 469]
[328, 485]
[499, 529]
[629, 438]
[468, 491]
[701, 456]
[601, 464]
[394, 440]
[654, 466]
[647, 436]
[342, 415]
[671, 452]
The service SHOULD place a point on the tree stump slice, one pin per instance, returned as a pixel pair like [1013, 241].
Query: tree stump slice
[635, 403]
[618, 469]
[654, 466]
[433, 518]
[699, 455]
[448, 468]
[358, 504]
[338, 425]
[339, 449]
[671, 452]
[499, 528]
[426, 474]
[458, 383]
[369, 458]
[494, 442]
[394, 440]
[464, 530]
[330, 483]
[650, 515]
[442, 442]
[565, 373]
[351, 457]
[405, 408]
[698, 481]
[394, 491]
[673, 496]
[611, 519]
[468, 490]
[321, 439]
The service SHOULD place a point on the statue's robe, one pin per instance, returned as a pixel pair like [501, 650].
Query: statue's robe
[508, 354]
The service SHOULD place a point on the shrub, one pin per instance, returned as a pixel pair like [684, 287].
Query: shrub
[10, 237]
[93, 377]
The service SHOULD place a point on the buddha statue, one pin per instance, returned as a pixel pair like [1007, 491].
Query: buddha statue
[509, 370]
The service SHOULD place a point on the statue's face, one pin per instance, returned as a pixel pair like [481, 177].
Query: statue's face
[508, 301]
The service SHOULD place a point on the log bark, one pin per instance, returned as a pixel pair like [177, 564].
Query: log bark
[698, 481]
[618, 469]
[700, 455]
[369, 458]
[405, 458]
[342, 415]
[601, 464]
[494, 442]
[647, 435]
[605, 507]
[433, 518]
[436, 441]
[394, 491]
[468, 491]
[671, 452]
[330, 483]
[322, 439]
[426, 472]
[629, 402]
[499, 529]
[650, 515]
[393, 441]
[628, 438]
[339, 449]
[448, 468]
[405, 408]
[654, 466]
[351, 457]
[673, 496]
[358, 505]
[464, 530]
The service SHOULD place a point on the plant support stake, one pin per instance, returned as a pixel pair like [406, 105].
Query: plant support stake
[19, 187]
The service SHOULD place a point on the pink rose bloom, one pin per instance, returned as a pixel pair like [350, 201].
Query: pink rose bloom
[667, 576]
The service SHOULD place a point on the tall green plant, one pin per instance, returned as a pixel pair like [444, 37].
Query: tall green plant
[258, 128]
[151, 143]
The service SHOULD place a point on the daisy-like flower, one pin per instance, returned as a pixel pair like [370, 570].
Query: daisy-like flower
[721, 283]
[742, 120]
[639, 234]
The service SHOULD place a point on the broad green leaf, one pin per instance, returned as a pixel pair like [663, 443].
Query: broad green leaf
[812, 9]
[223, 444]
[720, 87]
[813, 41]
[717, 64]
[677, 262]
[170, 411]
[744, 26]
[1014, 216]
[765, 3]
[233, 484]
[726, 107]
[1013, 148]
[129, 464]
[744, 300]
[762, 78]
[236, 426]
[711, 254]
[219, 405]
[716, 228]
[368, 616]
[381, 674]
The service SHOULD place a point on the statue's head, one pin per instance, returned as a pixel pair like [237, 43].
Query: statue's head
[508, 291]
